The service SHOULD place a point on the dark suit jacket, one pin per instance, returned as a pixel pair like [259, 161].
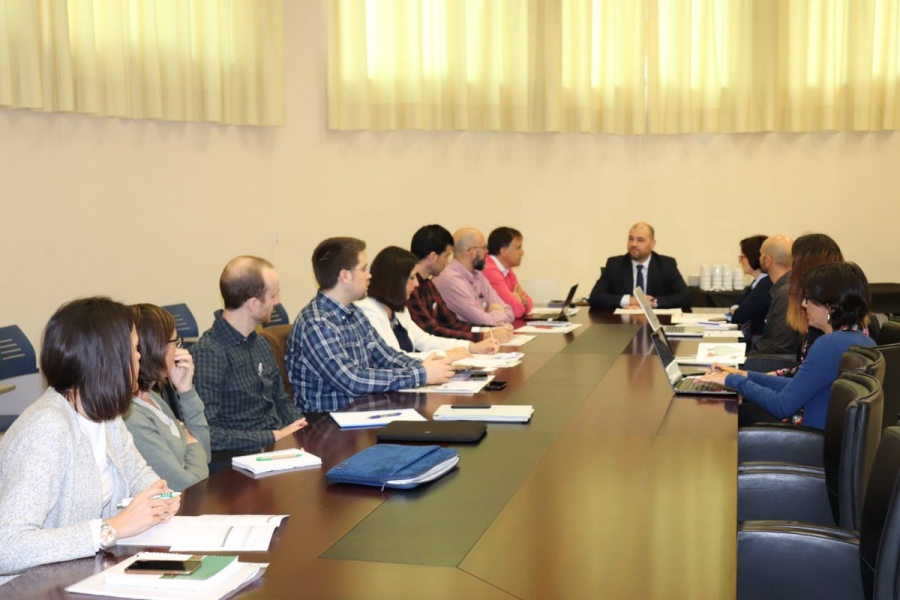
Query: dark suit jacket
[663, 282]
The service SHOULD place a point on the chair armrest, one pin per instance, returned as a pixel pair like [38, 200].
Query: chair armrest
[797, 561]
[781, 442]
[783, 493]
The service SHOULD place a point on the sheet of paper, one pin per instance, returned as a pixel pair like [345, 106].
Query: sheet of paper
[375, 418]
[210, 533]
[499, 360]
[568, 328]
[694, 318]
[461, 387]
[638, 311]
[552, 312]
[519, 340]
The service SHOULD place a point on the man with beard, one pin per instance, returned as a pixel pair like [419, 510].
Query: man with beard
[464, 287]
[657, 275]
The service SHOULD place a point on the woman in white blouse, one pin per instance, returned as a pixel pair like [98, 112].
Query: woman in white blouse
[68, 462]
[393, 280]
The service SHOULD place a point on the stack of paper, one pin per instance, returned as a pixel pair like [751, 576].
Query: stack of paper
[374, 418]
[518, 340]
[210, 533]
[500, 360]
[501, 413]
[462, 384]
[720, 352]
[280, 460]
[217, 577]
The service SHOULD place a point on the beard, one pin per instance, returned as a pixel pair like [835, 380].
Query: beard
[478, 264]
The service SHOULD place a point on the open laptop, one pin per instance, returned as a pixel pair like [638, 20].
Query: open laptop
[673, 330]
[562, 311]
[681, 384]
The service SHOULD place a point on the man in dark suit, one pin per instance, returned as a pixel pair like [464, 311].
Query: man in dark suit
[657, 275]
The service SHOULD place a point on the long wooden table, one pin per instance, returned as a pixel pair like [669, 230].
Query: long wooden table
[615, 489]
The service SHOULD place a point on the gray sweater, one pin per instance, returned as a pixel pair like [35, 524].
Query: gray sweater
[179, 463]
[50, 485]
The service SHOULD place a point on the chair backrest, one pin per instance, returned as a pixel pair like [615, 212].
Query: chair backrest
[863, 360]
[185, 323]
[277, 336]
[890, 333]
[879, 532]
[279, 317]
[891, 384]
[849, 453]
[17, 355]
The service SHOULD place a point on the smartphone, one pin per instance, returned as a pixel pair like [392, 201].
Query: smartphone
[163, 567]
[495, 386]
[478, 375]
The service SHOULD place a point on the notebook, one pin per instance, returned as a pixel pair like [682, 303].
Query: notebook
[500, 413]
[673, 330]
[279, 460]
[433, 431]
[562, 311]
[374, 418]
[681, 384]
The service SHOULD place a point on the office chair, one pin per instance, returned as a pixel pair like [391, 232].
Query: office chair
[796, 561]
[185, 323]
[829, 495]
[19, 378]
[279, 317]
[891, 354]
[784, 442]
[890, 333]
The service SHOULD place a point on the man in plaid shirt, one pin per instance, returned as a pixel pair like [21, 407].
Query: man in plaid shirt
[334, 355]
[433, 245]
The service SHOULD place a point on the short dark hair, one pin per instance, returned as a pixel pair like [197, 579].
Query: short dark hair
[333, 256]
[390, 271]
[843, 288]
[810, 250]
[86, 349]
[501, 238]
[242, 279]
[154, 325]
[431, 238]
[750, 248]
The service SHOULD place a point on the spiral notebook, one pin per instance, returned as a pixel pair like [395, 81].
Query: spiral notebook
[279, 460]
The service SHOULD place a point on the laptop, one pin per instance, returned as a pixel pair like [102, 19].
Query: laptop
[673, 330]
[562, 311]
[681, 384]
[432, 431]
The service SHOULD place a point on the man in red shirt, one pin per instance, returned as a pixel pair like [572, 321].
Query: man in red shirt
[505, 252]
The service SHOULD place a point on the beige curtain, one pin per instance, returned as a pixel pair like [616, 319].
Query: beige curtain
[614, 66]
[500, 65]
[183, 60]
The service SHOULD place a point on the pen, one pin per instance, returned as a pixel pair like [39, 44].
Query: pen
[491, 332]
[396, 414]
[126, 501]
[278, 457]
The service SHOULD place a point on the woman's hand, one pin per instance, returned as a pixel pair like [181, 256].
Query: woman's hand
[487, 346]
[144, 511]
[716, 378]
[727, 369]
[182, 374]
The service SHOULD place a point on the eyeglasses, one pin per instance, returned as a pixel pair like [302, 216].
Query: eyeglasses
[809, 300]
[479, 248]
[178, 341]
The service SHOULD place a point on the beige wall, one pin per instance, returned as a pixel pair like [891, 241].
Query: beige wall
[150, 212]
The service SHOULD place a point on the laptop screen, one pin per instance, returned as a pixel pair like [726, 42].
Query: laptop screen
[647, 308]
[666, 355]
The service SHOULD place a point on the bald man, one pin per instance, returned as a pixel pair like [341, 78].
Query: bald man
[776, 260]
[464, 287]
[236, 375]
[658, 275]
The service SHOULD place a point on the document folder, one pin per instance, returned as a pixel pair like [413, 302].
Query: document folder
[394, 466]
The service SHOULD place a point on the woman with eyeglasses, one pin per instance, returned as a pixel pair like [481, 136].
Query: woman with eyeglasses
[68, 462]
[836, 300]
[178, 451]
[751, 308]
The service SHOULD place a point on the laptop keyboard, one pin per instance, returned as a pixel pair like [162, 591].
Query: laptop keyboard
[676, 329]
[694, 385]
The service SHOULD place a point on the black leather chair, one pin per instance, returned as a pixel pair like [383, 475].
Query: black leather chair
[783, 442]
[796, 561]
[829, 495]
[890, 333]
[891, 385]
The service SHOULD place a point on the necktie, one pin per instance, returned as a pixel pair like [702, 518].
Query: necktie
[640, 277]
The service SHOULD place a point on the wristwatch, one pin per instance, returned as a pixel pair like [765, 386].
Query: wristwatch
[108, 535]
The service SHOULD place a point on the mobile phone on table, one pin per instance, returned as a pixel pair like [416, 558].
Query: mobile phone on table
[495, 386]
[163, 567]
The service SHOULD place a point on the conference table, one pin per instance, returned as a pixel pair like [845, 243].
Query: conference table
[615, 489]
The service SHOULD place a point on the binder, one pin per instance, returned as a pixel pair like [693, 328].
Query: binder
[395, 466]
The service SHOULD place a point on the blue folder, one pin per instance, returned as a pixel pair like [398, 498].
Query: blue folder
[387, 465]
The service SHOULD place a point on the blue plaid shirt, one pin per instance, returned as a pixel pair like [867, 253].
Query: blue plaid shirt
[240, 384]
[334, 356]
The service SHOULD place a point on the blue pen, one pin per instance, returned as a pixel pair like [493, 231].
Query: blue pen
[396, 414]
